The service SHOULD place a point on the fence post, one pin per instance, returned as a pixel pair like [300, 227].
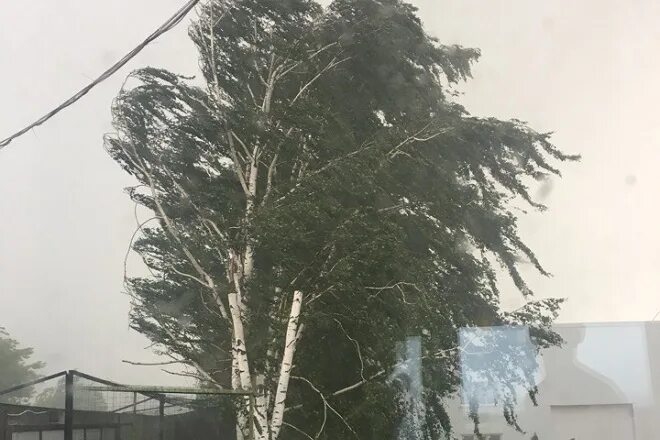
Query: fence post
[161, 420]
[68, 406]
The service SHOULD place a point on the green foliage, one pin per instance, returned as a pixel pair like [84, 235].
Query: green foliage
[387, 203]
[16, 368]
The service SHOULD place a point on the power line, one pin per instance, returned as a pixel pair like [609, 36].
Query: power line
[168, 25]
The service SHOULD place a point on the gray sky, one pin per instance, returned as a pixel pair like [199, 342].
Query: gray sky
[586, 70]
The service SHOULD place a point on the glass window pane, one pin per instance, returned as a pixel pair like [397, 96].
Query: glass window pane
[108, 434]
[52, 435]
[78, 434]
[32, 435]
[93, 434]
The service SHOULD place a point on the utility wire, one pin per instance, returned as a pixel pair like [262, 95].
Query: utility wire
[168, 25]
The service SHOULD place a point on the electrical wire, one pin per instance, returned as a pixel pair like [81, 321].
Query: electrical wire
[168, 25]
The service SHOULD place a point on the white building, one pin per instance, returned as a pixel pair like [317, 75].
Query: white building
[603, 384]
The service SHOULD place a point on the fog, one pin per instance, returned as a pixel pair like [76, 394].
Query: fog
[585, 70]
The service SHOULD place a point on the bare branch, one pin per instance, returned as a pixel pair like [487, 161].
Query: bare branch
[300, 431]
[237, 163]
[357, 347]
[191, 361]
[184, 374]
[319, 294]
[269, 179]
[311, 57]
[192, 277]
[394, 286]
[325, 402]
[254, 98]
[332, 163]
[214, 69]
[130, 245]
[415, 138]
[171, 227]
[270, 85]
[215, 227]
[240, 141]
[358, 384]
[347, 389]
[154, 364]
[331, 65]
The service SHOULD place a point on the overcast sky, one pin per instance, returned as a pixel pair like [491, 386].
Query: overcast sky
[586, 70]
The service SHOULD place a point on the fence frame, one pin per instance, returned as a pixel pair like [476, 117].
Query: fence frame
[152, 392]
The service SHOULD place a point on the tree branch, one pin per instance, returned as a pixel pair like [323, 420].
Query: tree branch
[192, 277]
[237, 164]
[240, 141]
[184, 374]
[415, 138]
[154, 364]
[300, 431]
[326, 404]
[357, 347]
[311, 57]
[130, 246]
[269, 179]
[331, 65]
[171, 228]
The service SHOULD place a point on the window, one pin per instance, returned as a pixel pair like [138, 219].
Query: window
[92, 434]
[32, 435]
[52, 435]
[108, 434]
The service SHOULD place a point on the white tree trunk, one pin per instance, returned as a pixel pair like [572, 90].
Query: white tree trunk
[241, 414]
[261, 409]
[290, 343]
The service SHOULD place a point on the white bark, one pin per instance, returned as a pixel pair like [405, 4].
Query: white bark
[261, 409]
[248, 258]
[239, 348]
[241, 374]
[241, 415]
[290, 343]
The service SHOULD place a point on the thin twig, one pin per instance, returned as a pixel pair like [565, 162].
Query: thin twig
[154, 364]
[300, 431]
[192, 277]
[130, 245]
[325, 402]
[357, 347]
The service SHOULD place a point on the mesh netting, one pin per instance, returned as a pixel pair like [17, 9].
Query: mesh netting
[103, 410]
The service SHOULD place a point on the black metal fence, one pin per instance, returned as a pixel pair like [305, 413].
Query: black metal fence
[76, 406]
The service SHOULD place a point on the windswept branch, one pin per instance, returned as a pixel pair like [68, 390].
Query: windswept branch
[298, 430]
[416, 137]
[356, 344]
[327, 405]
[155, 364]
[237, 164]
[334, 63]
[171, 228]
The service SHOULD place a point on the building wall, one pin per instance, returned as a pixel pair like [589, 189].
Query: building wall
[604, 383]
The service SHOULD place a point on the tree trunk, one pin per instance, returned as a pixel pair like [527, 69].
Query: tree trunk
[287, 364]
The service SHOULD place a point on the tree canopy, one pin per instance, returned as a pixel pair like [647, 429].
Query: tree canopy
[318, 198]
[17, 368]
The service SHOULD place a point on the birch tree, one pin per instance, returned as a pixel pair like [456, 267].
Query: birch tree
[317, 196]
